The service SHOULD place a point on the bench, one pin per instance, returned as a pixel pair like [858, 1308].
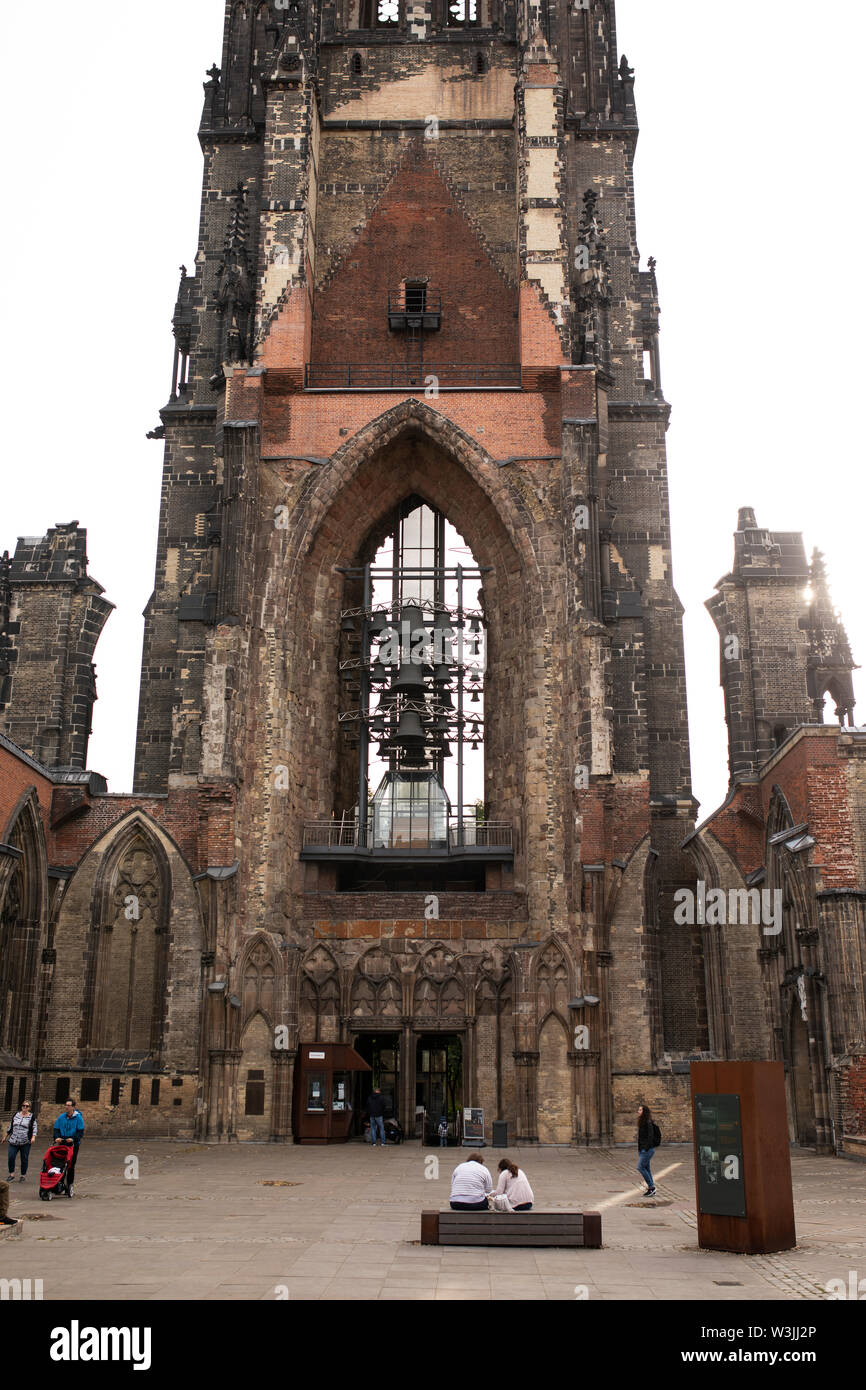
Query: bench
[12, 1232]
[575, 1228]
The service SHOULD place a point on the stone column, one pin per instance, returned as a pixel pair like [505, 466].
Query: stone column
[281, 1109]
[220, 1120]
[603, 961]
[233, 1057]
[407, 1078]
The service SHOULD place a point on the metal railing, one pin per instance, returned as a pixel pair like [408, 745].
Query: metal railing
[409, 833]
[342, 376]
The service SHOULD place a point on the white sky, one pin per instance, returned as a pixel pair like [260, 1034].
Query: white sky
[749, 174]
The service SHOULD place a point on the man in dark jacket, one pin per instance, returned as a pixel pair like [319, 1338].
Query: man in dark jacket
[376, 1112]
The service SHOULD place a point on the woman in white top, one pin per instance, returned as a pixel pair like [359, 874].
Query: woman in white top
[514, 1186]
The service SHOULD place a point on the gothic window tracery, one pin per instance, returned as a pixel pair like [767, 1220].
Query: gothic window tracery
[320, 987]
[259, 983]
[439, 990]
[552, 982]
[130, 948]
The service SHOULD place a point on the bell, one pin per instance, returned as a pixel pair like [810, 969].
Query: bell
[412, 614]
[378, 672]
[441, 639]
[441, 674]
[445, 700]
[409, 729]
[347, 625]
[440, 724]
[445, 750]
[409, 681]
[377, 623]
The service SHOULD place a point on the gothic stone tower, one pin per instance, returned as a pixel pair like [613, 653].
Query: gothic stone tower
[417, 310]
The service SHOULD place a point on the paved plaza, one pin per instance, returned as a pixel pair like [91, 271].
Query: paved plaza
[262, 1221]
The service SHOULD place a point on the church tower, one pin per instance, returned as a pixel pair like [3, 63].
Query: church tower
[414, 611]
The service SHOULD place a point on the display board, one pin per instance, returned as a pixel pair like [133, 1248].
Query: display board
[719, 1141]
[473, 1126]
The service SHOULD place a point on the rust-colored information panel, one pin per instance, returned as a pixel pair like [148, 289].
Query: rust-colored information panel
[742, 1157]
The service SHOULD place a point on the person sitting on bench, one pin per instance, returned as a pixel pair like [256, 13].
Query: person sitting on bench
[513, 1192]
[5, 1220]
[470, 1184]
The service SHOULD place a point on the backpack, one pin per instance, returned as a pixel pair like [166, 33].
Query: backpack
[657, 1135]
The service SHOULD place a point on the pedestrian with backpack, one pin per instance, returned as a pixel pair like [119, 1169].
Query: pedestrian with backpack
[649, 1137]
[20, 1135]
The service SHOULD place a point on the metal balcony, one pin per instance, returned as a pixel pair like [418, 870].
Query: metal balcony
[403, 838]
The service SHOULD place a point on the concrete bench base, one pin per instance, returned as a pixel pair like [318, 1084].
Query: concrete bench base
[575, 1228]
[12, 1232]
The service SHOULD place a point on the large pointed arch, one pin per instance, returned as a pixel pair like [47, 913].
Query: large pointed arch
[127, 967]
[411, 449]
[23, 923]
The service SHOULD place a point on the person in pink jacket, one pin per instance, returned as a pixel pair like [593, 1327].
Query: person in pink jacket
[514, 1186]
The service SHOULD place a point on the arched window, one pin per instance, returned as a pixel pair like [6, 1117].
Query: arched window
[357, 65]
[126, 1004]
[377, 14]
[480, 63]
[20, 934]
[461, 12]
[414, 699]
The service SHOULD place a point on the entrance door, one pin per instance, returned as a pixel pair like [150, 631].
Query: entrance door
[439, 1081]
[382, 1051]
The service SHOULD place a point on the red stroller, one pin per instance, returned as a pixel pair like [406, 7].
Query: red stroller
[54, 1179]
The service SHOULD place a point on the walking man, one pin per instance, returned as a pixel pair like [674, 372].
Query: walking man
[70, 1125]
[376, 1112]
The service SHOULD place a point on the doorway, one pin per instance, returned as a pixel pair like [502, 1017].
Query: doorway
[382, 1051]
[439, 1082]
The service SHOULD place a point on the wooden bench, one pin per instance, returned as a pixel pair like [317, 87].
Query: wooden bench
[576, 1228]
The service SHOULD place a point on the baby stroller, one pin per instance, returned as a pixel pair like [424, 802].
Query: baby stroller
[393, 1132]
[53, 1180]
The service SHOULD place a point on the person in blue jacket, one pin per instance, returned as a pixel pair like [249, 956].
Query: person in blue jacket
[70, 1125]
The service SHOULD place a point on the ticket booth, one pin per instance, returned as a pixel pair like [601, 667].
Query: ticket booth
[322, 1102]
